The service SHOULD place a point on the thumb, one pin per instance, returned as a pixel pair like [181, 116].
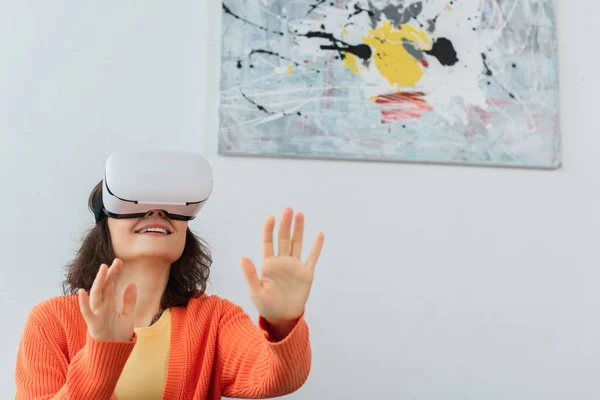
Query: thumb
[250, 274]
[129, 299]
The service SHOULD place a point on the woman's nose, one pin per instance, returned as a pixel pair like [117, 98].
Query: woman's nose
[158, 213]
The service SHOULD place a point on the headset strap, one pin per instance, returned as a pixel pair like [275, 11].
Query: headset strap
[99, 208]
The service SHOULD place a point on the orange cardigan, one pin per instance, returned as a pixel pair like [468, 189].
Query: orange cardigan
[215, 351]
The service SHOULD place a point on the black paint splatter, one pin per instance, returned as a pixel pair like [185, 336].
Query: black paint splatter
[260, 108]
[272, 53]
[239, 63]
[361, 51]
[228, 11]
[264, 109]
[314, 6]
[488, 71]
[358, 10]
[444, 51]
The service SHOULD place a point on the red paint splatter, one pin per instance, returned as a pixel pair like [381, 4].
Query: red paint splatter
[425, 63]
[402, 106]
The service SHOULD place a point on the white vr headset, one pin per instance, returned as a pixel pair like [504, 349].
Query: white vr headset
[179, 183]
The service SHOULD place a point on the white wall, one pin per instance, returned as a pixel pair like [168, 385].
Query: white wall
[435, 282]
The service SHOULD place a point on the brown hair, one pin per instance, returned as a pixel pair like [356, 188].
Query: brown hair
[188, 277]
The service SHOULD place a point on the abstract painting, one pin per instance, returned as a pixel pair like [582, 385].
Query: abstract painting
[470, 82]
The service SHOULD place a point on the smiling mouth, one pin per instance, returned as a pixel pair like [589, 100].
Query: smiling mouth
[154, 230]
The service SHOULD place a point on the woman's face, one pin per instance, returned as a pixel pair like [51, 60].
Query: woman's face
[152, 237]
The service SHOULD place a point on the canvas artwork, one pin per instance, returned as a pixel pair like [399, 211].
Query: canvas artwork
[438, 81]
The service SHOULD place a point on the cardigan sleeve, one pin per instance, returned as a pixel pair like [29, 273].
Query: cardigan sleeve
[253, 364]
[43, 370]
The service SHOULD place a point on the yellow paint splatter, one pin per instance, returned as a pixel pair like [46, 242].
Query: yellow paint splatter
[345, 31]
[448, 8]
[289, 70]
[391, 58]
[350, 62]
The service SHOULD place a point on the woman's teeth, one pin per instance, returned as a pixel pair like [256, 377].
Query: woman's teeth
[159, 230]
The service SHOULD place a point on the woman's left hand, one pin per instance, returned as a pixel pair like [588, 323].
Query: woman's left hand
[281, 291]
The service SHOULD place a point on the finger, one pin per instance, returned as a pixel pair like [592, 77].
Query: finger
[311, 261]
[84, 305]
[114, 270]
[108, 294]
[129, 299]
[283, 248]
[298, 236]
[109, 298]
[250, 275]
[268, 227]
[97, 287]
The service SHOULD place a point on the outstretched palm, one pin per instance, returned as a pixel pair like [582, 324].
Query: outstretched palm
[281, 291]
[99, 306]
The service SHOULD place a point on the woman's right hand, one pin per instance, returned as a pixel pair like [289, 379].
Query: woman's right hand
[99, 306]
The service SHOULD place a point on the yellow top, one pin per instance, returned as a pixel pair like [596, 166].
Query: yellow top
[145, 372]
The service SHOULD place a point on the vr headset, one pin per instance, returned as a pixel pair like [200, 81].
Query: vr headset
[179, 183]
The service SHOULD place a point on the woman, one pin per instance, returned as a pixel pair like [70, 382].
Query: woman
[143, 328]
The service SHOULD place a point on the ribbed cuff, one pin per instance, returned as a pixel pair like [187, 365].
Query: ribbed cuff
[108, 356]
[298, 333]
[103, 363]
[292, 356]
